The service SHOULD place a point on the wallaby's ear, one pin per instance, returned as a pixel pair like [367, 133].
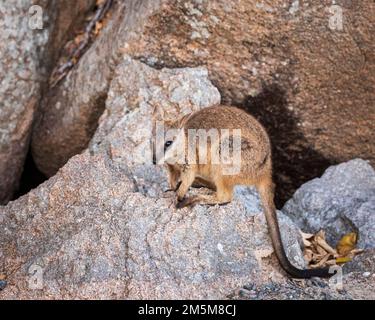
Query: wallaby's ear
[169, 123]
[172, 123]
[184, 119]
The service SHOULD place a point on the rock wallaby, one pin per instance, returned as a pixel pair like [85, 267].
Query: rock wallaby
[255, 168]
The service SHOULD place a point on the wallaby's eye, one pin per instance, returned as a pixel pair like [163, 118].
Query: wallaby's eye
[167, 144]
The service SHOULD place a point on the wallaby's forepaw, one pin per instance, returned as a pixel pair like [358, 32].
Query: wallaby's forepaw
[185, 202]
[174, 189]
[177, 186]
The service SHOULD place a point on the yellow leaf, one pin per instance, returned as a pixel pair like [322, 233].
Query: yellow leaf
[343, 260]
[347, 243]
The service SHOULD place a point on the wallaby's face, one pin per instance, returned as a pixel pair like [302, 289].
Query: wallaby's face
[172, 149]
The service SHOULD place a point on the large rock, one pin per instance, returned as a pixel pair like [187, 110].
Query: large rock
[289, 54]
[26, 57]
[363, 263]
[66, 18]
[19, 89]
[70, 112]
[154, 97]
[341, 201]
[102, 228]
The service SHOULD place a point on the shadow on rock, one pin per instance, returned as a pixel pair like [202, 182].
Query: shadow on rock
[294, 159]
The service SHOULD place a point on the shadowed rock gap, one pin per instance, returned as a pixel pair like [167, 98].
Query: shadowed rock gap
[31, 177]
[294, 160]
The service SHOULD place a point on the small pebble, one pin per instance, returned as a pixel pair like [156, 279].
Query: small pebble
[249, 287]
[3, 284]
[318, 283]
[243, 293]
[366, 274]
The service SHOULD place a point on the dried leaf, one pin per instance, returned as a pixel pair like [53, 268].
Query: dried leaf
[75, 48]
[318, 253]
[308, 255]
[98, 28]
[320, 250]
[321, 234]
[321, 262]
[322, 243]
[331, 262]
[306, 237]
[79, 38]
[306, 243]
[356, 251]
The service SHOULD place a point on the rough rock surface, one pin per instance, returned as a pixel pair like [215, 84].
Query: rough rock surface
[19, 89]
[96, 230]
[363, 263]
[67, 16]
[355, 286]
[342, 199]
[70, 111]
[286, 53]
[26, 55]
[359, 275]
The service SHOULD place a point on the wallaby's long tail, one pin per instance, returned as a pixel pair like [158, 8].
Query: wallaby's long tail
[267, 194]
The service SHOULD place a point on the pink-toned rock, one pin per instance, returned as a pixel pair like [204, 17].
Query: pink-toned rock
[69, 112]
[102, 227]
[288, 62]
[19, 89]
[26, 57]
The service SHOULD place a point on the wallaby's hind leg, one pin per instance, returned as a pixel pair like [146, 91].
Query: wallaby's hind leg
[202, 183]
[223, 195]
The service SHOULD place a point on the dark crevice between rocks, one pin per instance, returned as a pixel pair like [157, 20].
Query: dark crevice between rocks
[98, 108]
[294, 160]
[31, 177]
